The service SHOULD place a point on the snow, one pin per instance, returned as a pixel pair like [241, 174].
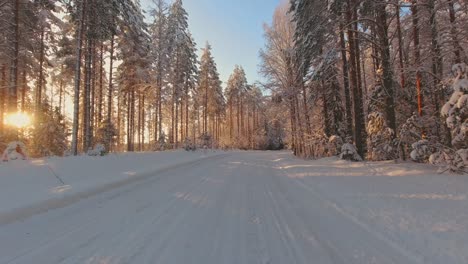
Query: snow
[34, 182]
[249, 207]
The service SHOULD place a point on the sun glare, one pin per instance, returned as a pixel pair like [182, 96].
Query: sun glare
[18, 120]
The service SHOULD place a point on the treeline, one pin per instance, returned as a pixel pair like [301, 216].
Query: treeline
[372, 73]
[129, 84]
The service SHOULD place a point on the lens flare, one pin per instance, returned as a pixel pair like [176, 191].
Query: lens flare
[18, 120]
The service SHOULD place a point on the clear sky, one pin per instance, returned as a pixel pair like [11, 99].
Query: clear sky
[234, 28]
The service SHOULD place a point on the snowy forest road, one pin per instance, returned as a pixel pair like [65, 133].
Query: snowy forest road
[242, 208]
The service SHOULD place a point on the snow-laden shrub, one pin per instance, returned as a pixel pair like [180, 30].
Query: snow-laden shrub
[49, 136]
[422, 151]
[456, 113]
[349, 152]
[99, 150]
[450, 160]
[334, 145]
[380, 141]
[106, 133]
[11, 151]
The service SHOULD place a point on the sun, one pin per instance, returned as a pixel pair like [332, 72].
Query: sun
[18, 120]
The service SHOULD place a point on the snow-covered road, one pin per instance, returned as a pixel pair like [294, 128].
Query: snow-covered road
[244, 207]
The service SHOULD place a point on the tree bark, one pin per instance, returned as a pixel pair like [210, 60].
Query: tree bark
[349, 117]
[386, 65]
[453, 32]
[41, 74]
[417, 54]
[400, 46]
[359, 131]
[76, 100]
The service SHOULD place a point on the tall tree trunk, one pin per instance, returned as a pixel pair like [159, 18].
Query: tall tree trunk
[238, 117]
[205, 114]
[359, 125]
[231, 123]
[326, 119]
[143, 122]
[417, 54]
[92, 99]
[101, 84]
[453, 32]
[386, 65]
[173, 102]
[76, 99]
[400, 45]
[349, 117]
[111, 91]
[87, 96]
[24, 90]
[187, 100]
[305, 106]
[13, 87]
[40, 79]
[61, 93]
[176, 127]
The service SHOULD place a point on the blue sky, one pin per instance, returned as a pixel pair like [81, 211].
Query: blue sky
[234, 28]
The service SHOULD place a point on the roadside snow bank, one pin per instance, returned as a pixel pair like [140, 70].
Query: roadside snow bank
[33, 186]
[409, 204]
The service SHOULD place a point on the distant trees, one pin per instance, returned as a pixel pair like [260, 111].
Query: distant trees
[97, 73]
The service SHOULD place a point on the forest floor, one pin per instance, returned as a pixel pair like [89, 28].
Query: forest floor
[230, 208]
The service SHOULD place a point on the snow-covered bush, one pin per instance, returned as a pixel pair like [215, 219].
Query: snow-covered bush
[161, 145]
[49, 134]
[380, 141]
[421, 132]
[99, 150]
[15, 150]
[334, 145]
[106, 133]
[349, 152]
[450, 160]
[456, 113]
[422, 151]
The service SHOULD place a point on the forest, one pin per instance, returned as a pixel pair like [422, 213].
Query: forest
[363, 79]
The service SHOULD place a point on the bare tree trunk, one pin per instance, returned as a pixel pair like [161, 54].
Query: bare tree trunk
[359, 132]
[400, 45]
[176, 131]
[143, 122]
[417, 54]
[111, 81]
[205, 114]
[349, 117]
[41, 74]
[24, 90]
[238, 117]
[87, 97]
[326, 120]
[305, 106]
[171, 135]
[92, 99]
[187, 113]
[453, 32]
[76, 100]
[139, 123]
[386, 65]
[13, 88]
[61, 93]
[231, 123]
[101, 84]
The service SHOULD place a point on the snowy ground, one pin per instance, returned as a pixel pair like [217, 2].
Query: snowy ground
[28, 186]
[255, 207]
